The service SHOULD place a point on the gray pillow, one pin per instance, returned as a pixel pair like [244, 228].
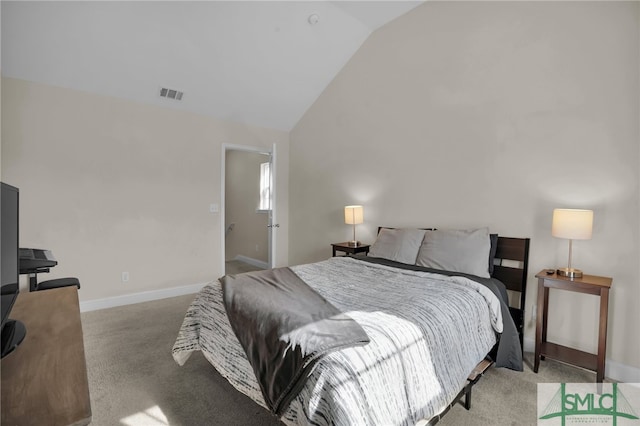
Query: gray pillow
[399, 245]
[464, 251]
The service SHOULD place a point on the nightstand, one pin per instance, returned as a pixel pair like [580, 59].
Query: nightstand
[349, 250]
[589, 284]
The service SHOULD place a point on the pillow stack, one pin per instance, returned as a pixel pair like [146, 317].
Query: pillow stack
[466, 251]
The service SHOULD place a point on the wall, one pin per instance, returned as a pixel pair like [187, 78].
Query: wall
[467, 114]
[110, 185]
[250, 235]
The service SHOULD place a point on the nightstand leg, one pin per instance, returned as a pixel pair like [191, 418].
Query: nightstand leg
[545, 316]
[540, 323]
[602, 334]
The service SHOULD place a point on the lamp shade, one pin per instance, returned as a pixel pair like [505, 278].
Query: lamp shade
[353, 215]
[572, 224]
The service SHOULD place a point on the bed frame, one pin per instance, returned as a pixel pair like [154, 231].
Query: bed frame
[510, 267]
[514, 277]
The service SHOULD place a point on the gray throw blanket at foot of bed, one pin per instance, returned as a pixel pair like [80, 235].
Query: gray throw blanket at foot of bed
[284, 326]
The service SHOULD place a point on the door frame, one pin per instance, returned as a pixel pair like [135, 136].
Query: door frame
[271, 215]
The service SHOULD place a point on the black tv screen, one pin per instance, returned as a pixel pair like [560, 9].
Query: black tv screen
[13, 332]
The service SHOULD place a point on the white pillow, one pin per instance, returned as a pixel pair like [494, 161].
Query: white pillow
[399, 245]
[465, 251]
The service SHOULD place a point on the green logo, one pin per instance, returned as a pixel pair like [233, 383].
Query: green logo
[612, 404]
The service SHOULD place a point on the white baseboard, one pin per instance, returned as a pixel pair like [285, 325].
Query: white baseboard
[145, 296]
[252, 261]
[613, 369]
[621, 372]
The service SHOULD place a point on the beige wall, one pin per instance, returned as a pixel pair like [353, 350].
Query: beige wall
[250, 235]
[465, 114]
[111, 185]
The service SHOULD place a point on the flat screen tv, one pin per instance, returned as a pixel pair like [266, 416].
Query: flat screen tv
[13, 332]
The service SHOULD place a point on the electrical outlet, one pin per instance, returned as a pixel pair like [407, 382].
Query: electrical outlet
[257, 247]
[125, 277]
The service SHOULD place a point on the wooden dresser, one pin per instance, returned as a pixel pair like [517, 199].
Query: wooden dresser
[44, 381]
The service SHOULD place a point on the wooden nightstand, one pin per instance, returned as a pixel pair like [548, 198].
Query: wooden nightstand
[349, 250]
[589, 284]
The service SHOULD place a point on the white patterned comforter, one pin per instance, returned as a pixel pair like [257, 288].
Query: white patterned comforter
[427, 333]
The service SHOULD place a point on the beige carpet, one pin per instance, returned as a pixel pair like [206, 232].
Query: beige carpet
[134, 381]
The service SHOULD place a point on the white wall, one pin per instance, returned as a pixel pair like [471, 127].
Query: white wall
[111, 185]
[250, 235]
[465, 114]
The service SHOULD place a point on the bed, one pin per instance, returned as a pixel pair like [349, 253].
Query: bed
[428, 328]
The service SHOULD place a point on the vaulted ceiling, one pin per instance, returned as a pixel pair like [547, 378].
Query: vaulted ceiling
[261, 63]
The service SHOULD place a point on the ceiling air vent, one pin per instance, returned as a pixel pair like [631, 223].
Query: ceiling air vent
[171, 94]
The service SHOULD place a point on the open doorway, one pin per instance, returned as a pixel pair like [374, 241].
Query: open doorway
[247, 208]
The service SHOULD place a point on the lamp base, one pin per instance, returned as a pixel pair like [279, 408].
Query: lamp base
[569, 272]
[354, 243]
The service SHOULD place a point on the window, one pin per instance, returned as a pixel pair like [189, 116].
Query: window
[265, 187]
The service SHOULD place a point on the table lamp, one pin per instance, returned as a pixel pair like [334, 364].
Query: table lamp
[354, 215]
[571, 224]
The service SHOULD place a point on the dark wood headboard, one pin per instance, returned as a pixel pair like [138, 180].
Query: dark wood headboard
[514, 277]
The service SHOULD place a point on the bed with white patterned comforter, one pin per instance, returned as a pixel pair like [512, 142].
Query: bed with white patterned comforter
[427, 333]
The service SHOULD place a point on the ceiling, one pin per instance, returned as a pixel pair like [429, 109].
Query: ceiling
[260, 63]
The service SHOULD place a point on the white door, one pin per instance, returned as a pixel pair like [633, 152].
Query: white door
[248, 201]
